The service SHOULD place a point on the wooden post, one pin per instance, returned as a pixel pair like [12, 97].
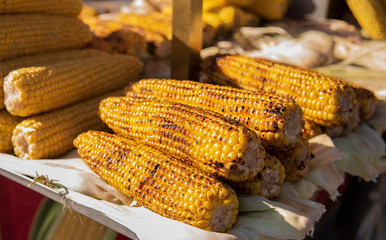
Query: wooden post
[187, 39]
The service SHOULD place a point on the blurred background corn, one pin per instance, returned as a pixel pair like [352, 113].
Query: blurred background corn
[266, 183]
[7, 123]
[276, 120]
[41, 60]
[25, 34]
[55, 7]
[60, 84]
[216, 144]
[51, 134]
[160, 182]
[324, 100]
[270, 10]
[371, 16]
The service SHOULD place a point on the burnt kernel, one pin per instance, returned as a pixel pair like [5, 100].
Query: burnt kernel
[301, 166]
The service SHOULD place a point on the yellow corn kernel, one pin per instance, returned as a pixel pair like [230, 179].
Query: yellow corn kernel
[26, 34]
[154, 178]
[174, 128]
[34, 90]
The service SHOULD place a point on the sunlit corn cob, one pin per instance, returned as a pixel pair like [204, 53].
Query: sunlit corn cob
[216, 144]
[54, 7]
[160, 182]
[371, 15]
[235, 17]
[25, 34]
[296, 161]
[276, 120]
[51, 134]
[39, 60]
[153, 22]
[7, 123]
[208, 5]
[324, 100]
[271, 10]
[266, 183]
[34, 90]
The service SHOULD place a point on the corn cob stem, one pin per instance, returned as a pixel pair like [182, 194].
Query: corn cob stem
[51, 134]
[216, 144]
[160, 182]
[26, 34]
[324, 100]
[67, 82]
[277, 120]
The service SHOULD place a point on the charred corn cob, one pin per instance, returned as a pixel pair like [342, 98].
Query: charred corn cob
[153, 22]
[39, 60]
[216, 144]
[51, 134]
[296, 161]
[371, 15]
[324, 100]
[267, 181]
[271, 10]
[26, 34]
[276, 120]
[7, 123]
[67, 82]
[160, 182]
[367, 102]
[54, 7]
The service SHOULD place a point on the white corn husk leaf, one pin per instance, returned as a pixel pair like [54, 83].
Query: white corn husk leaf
[365, 153]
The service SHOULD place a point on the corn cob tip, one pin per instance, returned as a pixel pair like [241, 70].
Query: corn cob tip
[160, 182]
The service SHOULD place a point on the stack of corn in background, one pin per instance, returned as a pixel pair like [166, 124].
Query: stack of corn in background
[52, 85]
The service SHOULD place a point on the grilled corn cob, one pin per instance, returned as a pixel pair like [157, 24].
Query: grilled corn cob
[296, 161]
[160, 182]
[63, 83]
[267, 181]
[25, 34]
[51, 134]
[367, 102]
[7, 123]
[55, 7]
[371, 15]
[39, 60]
[216, 144]
[276, 120]
[324, 100]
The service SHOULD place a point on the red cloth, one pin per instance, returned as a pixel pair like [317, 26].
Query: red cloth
[18, 205]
